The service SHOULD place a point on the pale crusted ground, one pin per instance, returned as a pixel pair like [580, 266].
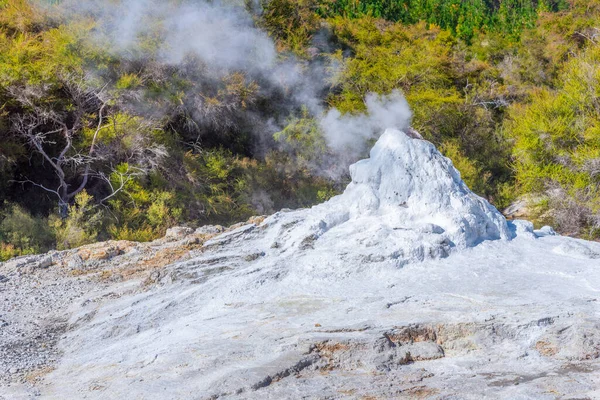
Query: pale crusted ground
[37, 294]
[381, 293]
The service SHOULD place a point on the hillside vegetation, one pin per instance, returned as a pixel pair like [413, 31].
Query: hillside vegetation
[100, 142]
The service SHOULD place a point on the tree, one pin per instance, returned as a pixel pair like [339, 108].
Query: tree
[54, 121]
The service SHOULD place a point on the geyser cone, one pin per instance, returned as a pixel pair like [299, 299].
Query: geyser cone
[405, 203]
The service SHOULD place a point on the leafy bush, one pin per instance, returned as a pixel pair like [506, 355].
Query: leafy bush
[457, 100]
[293, 23]
[557, 144]
[462, 18]
[82, 225]
[21, 233]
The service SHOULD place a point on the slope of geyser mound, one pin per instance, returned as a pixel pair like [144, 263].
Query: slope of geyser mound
[404, 286]
[409, 184]
[405, 203]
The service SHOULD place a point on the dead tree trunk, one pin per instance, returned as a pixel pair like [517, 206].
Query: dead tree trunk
[43, 126]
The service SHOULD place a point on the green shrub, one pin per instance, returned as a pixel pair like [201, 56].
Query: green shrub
[21, 233]
[82, 225]
[557, 144]
[291, 22]
[464, 18]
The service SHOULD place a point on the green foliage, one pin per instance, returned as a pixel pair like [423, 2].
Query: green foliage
[386, 58]
[463, 18]
[141, 210]
[507, 89]
[291, 22]
[19, 16]
[21, 233]
[557, 141]
[35, 57]
[221, 185]
[81, 227]
[128, 81]
[452, 94]
[303, 138]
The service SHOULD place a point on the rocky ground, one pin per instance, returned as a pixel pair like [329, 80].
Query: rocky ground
[37, 294]
[406, 286]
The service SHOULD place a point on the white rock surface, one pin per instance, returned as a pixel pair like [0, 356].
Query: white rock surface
[405, 203]
[406, 286]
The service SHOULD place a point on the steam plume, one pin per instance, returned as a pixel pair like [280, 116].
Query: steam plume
[222, 36]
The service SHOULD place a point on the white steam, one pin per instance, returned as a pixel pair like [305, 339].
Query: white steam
[222, 35]
[349, 133]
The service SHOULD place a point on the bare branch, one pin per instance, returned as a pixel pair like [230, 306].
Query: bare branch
[592, 37]
[124, 178]
[86, 173]
[23, 182]
[38, 124]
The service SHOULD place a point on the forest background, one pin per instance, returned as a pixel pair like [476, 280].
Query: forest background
[120, 119]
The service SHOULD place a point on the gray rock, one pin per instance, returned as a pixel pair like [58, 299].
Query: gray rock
[209, 230]
[545, 231]
[521, 228]
[44, 262]
[75, 262]
[178, 232]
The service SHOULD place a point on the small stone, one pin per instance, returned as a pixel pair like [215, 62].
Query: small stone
[75, 262]
[155, 276]
[522, 228]
[178, 232]
[545, 231]
[13, 370]
[44, 262]
[209, 230]
[254, 256]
